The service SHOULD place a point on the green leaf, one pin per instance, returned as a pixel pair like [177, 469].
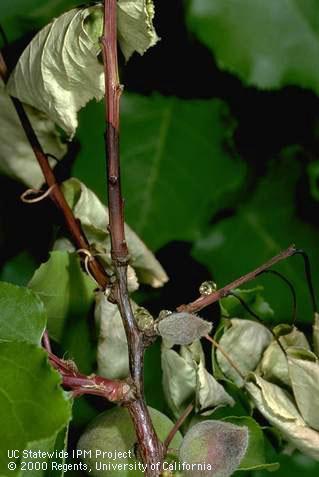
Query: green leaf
[19, 21]
[33, 407]
[22, 316]
[65, 290]
[278, 407]
[244, 342]
[313, 173]
[169, 180]
[232, 308]
[267, 44]
[304, 375]
[94, 219]
[254, 458]
[159, 174]
[19, 269]
[263, 226]
[56, 443]
[294, 465]
[17, 159]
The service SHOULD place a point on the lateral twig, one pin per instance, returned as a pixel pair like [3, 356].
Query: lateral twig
[292, 291]
[149, 447]
[177, 426]
[254, 315]
[226, 356]
[111, 389]
[206, 300]
[72, 224]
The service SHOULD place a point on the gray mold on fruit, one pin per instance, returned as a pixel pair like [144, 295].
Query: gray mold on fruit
[220, 445]
[183, 328]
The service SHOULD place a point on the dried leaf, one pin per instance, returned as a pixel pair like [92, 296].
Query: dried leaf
[274, 365]
[94, 219]
[304, 375]
[112, 350]
[278, 407]
[316, 334]
[65, 290]
[59, 72]
[210, 393]
[244, 342]
[17, 159]
[185, 379]
[135, 26]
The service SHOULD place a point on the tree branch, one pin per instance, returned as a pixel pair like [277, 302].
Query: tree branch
[180, 421]
[149, 446]
[111, 389]
[206, 300]
[72, 224]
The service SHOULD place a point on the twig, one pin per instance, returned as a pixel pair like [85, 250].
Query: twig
[46, 341]
[308, 278]
[206, 300]
[254, 315]
[292, 291]
[149, 447]
[177, 426]
[111, 389]
[226, 356]
[3, 69]
[56, 194]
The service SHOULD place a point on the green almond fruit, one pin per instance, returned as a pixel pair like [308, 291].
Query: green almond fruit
[107, 445]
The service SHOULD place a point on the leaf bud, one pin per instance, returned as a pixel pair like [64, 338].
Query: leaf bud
[144, 319]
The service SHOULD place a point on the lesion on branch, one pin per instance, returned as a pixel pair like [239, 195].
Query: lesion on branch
[119, 391]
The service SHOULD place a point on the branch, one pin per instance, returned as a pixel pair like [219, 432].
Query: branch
[111, 389]
[180, 421]
[206, 300]
[72, 224]
[149, 446]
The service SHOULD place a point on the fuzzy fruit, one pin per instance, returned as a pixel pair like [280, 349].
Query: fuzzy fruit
[217, 444]
[112, 432]
[183, 328]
